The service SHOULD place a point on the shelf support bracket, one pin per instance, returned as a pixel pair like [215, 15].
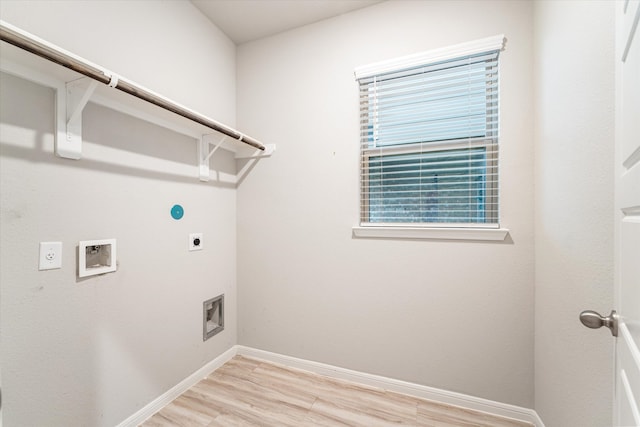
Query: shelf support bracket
[205, 153]
[252, 159]
[259, 154]
[78, 93]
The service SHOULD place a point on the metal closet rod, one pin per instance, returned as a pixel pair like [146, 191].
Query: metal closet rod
[46, 51]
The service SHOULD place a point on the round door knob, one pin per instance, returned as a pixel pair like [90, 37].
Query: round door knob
[593, 319]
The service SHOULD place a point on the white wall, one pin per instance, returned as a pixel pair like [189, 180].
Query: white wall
[167, 46]
[574, 81]
[93, 351]
[454, 315]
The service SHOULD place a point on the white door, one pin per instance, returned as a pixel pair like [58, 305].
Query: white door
[627, 238]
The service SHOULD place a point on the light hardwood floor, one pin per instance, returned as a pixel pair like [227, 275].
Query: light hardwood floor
[251, 392]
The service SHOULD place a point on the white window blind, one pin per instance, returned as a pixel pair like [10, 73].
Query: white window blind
[429, 141]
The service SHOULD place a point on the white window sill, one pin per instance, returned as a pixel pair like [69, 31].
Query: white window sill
[486, 234]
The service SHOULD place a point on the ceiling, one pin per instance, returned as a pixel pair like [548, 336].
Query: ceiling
[246, 20]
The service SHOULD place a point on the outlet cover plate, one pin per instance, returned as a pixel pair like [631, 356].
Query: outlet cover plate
[50, 255]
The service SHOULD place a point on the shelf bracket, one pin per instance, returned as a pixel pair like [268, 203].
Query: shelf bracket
[259, 154]
[252, 159]
[205, 152]
[77, 95]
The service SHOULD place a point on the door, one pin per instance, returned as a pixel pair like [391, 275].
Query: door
[627, 237]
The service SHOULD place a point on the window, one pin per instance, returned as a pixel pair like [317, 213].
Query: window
[429, 138]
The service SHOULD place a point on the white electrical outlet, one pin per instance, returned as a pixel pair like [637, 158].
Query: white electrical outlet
[50, 255]
[195, 242]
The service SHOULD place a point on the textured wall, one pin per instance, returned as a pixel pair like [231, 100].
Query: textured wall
[454, 315]
[574, 81]
[93, 351]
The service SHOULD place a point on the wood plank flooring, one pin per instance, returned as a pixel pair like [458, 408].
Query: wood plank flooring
[251, 392]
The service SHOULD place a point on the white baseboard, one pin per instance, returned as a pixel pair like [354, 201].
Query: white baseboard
[537, 420]
[425, 392]
[171, 394]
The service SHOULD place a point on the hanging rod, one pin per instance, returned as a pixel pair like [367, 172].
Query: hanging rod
[37, 46]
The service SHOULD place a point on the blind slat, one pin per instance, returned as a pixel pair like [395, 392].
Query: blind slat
[429, 145]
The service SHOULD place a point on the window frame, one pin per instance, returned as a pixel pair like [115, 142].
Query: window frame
[490, 230]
